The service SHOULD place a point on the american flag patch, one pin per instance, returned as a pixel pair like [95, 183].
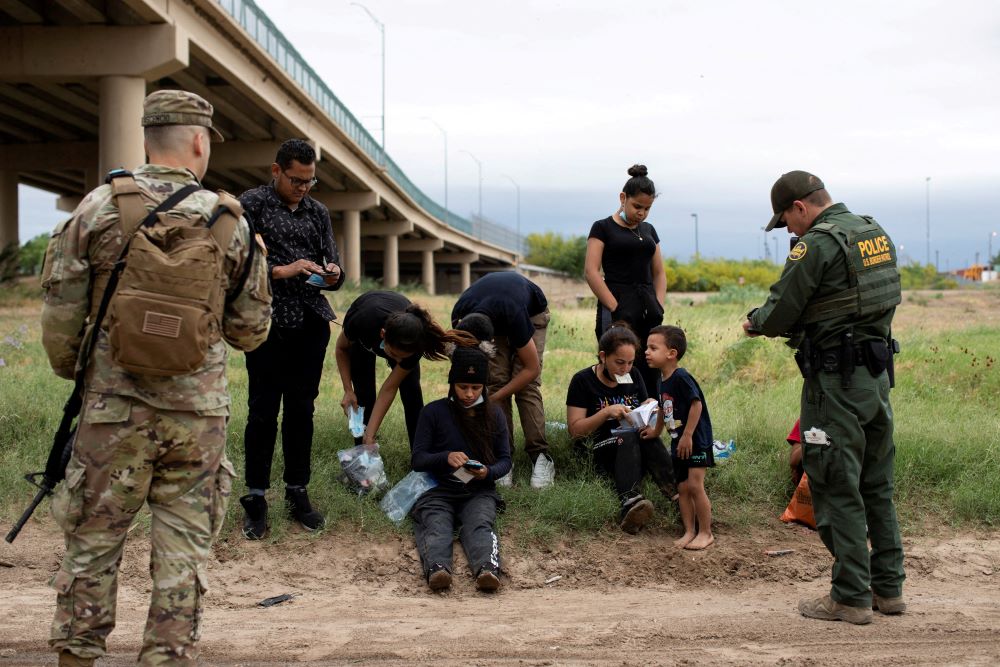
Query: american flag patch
[161, 324]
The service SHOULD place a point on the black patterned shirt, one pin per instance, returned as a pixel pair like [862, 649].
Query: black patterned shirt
[305, 233]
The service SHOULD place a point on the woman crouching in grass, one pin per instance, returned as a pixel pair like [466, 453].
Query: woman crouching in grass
[462, 441]
[598, 397]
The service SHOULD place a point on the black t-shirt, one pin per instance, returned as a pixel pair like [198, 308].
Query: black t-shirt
[510, 301]
[626, 258]
[681, 389]
[366, 317]
[588, 392]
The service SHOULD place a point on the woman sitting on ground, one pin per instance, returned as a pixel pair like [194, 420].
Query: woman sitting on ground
[462, 441]
[598, 397]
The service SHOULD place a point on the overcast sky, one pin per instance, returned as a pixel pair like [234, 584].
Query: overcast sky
[717, 98]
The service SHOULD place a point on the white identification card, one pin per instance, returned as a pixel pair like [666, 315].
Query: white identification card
[623, 379]
[815, 436]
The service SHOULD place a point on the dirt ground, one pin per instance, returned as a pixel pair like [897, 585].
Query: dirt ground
[621, 600]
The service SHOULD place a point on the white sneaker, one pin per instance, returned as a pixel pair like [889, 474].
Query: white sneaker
[543, 475]
[507, 480]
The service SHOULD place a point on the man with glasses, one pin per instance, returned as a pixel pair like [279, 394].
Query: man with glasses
[303, 261]
[835, 301]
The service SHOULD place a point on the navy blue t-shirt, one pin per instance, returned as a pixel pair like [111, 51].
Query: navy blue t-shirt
[677, 393]
[510, 301]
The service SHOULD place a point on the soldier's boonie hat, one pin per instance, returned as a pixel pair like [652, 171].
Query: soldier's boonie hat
[178, 107]
[790, 187]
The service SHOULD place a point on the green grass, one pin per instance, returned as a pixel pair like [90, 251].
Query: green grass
[947, 424]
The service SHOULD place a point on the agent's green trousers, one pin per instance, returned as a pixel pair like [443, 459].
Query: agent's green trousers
[850, 476]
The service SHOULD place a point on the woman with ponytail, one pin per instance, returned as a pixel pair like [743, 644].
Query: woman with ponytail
[462, 441]
[386, 324]
[627, 248]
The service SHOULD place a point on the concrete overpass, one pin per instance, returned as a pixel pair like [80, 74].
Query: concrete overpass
[73, 74]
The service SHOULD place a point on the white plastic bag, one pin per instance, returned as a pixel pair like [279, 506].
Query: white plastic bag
[364, 470]
[400, 500]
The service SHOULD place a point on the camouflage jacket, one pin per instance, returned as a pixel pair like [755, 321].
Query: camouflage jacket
[90, 238]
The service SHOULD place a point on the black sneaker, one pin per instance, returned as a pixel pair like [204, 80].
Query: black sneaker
[255, 519]
[299, 508]
[635, 514]
[487, 580]
[439, 578]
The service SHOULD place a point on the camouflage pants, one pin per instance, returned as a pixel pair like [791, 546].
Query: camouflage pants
[127, 453]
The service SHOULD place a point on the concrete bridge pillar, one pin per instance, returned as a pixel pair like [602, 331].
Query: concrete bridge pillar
[390, 262]
[427, 266]
[351, 252]
[466, 275]
[10, 243]
[120, 123]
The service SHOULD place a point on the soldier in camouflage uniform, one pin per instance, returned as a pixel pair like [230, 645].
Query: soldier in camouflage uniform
[143, 438]
[835, 301]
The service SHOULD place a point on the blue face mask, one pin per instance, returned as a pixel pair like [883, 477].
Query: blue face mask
[381, 345]
[623, 216]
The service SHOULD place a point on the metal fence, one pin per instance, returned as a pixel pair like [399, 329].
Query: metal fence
[266, 34]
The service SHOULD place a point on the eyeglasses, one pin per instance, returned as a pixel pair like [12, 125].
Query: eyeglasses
[300, 182]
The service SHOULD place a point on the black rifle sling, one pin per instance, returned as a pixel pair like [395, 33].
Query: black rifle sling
[55, 466]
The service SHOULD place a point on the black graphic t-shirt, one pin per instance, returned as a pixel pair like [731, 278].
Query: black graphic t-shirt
[305, 233]
[588, 392]
[677, 393]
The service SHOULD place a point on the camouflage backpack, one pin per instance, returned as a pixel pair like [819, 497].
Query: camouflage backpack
[166, 309]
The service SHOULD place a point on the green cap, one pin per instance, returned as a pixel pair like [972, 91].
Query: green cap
[790, 187]
[178, 107]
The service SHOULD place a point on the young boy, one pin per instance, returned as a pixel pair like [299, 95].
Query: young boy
[684, 413]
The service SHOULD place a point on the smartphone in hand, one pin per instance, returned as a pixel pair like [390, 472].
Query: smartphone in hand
[473, 465]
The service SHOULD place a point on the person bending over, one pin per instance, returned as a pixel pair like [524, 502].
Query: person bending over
[386, 324]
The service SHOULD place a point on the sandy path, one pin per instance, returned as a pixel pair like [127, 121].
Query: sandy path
[621, 601]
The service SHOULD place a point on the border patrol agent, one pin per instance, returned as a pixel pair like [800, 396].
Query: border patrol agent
[835, 301]
[147, 438]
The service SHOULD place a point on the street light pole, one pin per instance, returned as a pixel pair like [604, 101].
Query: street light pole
[480, 213]
[928, 219]
[989, 259]
[696, 253]
[447, 212]
[381, 27]
[517, 188]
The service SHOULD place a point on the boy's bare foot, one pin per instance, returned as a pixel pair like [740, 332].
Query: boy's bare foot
[702, 541]
[682, 542]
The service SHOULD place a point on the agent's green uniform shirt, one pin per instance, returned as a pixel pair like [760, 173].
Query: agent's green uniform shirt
[816, 268]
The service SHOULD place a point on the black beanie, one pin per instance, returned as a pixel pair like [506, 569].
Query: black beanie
[469, 365]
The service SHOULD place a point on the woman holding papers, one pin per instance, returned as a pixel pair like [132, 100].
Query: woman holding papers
[600, 401]
[462, 441]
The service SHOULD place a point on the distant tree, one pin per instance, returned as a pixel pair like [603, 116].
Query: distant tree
[32, 255]
[556, 252]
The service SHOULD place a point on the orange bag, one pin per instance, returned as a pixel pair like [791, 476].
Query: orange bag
[801, 506]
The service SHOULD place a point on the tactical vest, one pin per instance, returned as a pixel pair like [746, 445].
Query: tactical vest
[166, 310]
[871, 264]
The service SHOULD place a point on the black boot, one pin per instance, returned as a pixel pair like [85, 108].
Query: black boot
[255, 520]
[299, 508]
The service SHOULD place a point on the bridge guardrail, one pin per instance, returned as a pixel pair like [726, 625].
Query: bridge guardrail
[263, 31]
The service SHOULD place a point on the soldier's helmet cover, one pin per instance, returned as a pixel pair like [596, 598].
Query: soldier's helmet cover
[178, 107]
